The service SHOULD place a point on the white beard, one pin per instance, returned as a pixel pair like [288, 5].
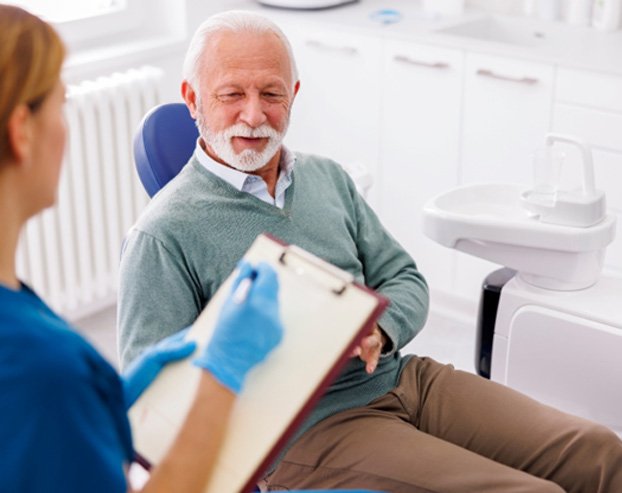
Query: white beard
[248, 160]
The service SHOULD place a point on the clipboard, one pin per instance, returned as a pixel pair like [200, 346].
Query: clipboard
[325, 314]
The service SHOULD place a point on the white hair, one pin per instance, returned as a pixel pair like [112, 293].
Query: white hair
[233, 21]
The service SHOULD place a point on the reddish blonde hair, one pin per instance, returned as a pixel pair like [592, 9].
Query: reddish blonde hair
[31, 58]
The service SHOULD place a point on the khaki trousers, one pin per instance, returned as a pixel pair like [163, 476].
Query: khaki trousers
[449, 431]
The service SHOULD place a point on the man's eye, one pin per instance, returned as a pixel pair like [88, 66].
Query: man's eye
[230, 96]
[272, 95]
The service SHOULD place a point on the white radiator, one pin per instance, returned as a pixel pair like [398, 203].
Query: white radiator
[70, 253]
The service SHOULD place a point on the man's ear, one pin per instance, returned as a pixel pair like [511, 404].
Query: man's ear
[19, 132]
[295, 91]
[190, 98]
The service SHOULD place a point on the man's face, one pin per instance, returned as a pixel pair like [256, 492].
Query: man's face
[244, 98]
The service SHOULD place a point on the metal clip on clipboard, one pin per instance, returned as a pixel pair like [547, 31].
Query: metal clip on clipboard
[302, 262]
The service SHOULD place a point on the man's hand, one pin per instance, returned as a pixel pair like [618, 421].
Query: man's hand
[370, 348]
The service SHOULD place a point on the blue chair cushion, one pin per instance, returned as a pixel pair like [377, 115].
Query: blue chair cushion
[163, 143]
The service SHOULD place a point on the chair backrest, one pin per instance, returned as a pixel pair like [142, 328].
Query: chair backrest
[163, 143]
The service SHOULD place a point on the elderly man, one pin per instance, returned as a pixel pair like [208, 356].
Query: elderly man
[388, 422]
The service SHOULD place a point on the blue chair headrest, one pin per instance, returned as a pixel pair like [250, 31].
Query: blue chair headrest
[163, 143]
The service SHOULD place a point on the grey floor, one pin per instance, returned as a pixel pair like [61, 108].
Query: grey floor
[100, 330]
[443, 339]
[447, 341]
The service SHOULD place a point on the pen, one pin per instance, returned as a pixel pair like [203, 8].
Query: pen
[241, 292]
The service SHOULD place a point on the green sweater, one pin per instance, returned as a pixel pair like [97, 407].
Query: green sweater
[196, 229]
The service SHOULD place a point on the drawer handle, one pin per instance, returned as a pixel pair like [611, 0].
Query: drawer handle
[521, 80]
[420, 63]
[348, 50]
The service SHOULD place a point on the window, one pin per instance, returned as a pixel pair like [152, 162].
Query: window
[87, 23]
[70, 10]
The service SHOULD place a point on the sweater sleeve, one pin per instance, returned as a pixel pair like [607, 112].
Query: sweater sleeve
[157, 294]
[392, 272]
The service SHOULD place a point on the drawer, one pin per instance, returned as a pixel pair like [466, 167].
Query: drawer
[508, 74]
[506, 113]
[424, 58]
[599, 128]
[590, 89]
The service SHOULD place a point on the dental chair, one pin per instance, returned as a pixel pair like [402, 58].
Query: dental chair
[549, 323]
[163, 143]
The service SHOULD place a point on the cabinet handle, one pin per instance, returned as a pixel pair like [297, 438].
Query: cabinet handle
[521, 80]
[419, 63]
[348, 50]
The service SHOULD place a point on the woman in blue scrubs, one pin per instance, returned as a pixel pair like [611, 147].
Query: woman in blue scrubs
[63, 423]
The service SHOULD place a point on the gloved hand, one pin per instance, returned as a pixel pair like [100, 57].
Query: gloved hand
[146, 367]
[246, 330]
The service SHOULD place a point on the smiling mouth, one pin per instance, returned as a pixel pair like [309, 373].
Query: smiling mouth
[250, 139]
[250, 142]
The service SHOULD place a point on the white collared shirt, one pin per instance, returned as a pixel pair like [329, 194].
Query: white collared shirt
[253, 184]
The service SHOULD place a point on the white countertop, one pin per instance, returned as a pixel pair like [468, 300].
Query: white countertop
[564, 45]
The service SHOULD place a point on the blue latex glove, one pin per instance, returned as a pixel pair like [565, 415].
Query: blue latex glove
[246, 330]
[146, 367]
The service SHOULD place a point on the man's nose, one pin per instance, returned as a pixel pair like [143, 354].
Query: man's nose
[252, 112]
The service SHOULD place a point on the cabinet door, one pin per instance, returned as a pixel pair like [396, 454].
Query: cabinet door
[507, 108]
[506, 115]
[336, 112]
[419, 145]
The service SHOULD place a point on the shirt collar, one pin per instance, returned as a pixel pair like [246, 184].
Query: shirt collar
[230, 175]
[238, 178]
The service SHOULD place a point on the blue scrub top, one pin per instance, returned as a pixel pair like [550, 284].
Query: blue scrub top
[63, 424]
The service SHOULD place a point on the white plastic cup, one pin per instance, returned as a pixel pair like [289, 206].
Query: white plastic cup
[606, 14]
[579, 12]
[549, 10]
[547, 163]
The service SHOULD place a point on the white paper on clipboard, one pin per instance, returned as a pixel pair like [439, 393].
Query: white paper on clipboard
[324, 313]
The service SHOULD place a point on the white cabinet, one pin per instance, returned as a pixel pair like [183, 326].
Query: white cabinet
[336, 112]
[423, 119]
[420, 134]
[589, 105]
[507, 108]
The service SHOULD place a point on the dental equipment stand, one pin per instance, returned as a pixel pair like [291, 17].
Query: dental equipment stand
[550, 323]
